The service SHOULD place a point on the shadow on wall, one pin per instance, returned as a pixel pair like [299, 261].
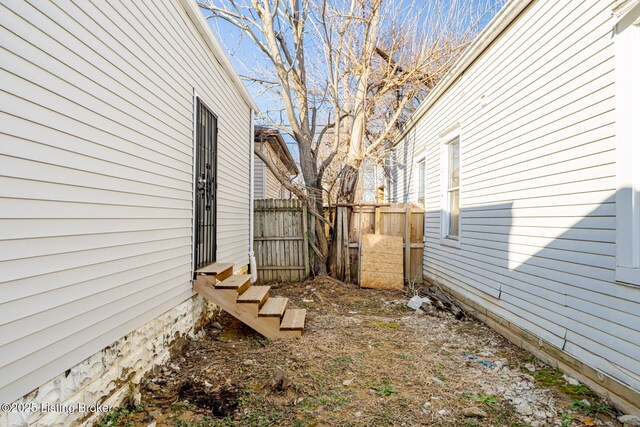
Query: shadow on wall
[549, 270]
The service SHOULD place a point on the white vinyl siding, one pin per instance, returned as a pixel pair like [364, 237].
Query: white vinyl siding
[274, 187]
[538, 162]
[259, 172]
[96, 187]
[268, 186]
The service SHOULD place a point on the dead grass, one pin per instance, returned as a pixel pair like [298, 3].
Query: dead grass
[364, 360]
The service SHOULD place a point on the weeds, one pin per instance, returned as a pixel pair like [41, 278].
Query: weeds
[591, 407]
[120, 417]
[567, 420]
[386, 390]
[484, 398]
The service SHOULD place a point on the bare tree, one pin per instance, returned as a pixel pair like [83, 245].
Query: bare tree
[344, 75]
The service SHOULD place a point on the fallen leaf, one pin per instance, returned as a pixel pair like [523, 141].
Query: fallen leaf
[587, 421]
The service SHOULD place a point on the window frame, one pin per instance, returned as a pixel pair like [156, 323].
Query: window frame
[627, 40]
[421, 182]
[449, 136]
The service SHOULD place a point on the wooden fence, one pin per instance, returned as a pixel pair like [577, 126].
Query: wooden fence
[281, 240]
[404, 220]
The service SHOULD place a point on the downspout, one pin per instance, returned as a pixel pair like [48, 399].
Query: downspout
[253, 269]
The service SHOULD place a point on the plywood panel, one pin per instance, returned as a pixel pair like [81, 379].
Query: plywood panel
[381, 266]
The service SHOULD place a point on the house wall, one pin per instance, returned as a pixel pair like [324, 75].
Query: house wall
[537, 134]
[266, 184]
[259, 172]
[96, 189]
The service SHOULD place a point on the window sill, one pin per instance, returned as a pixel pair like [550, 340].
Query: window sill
[630, 276]
[454, 243]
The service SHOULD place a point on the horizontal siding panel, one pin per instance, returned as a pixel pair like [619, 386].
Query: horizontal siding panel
[24, 248]
[12, 229]
[31, 315]
[70, 281]
[37, 190]
[15, 269]
[602, 358]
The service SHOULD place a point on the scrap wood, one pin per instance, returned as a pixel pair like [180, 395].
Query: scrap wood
[445, 302]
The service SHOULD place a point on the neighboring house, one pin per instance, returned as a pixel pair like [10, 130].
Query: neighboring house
[114, 115]
[527, 155]
[271, 144]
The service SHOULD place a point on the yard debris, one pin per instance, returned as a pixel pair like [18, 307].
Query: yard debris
[438, 298]
[248, 362]
[571, 380]
[280, 380]
[417, 301]
[481, 362]
[474, 412]
[426, 408]
[629, 420]
[347, 383]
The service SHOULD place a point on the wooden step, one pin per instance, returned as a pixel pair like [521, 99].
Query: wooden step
[255, 294]
[274, 307]
[239, 282]
[293, 319]
[221, 270]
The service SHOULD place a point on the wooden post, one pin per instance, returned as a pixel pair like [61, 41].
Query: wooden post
[305, 241]
[338, 236]
[378, 222]
[347, 258]
[407, 244]
[359, 240]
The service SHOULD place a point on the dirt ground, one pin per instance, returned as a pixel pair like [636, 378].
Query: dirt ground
[365, 359]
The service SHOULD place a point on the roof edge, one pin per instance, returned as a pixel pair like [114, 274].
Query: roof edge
[200, 22]
[273, 137]
[505, 16]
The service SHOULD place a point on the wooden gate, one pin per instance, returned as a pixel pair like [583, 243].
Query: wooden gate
[281, 240]
[402, 220]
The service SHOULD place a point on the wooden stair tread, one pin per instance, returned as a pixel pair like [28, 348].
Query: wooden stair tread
[274, 307]
[240, 282]
[255, 294]
[215, 268]
[293, 319]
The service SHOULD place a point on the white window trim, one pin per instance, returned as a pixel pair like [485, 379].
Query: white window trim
[446, 137]
[422, 159]
[627, 66]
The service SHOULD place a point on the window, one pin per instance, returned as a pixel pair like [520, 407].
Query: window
[627, 48]
[452, 211]
[421, 180]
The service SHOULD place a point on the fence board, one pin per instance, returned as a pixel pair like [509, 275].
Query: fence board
[281, 240]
